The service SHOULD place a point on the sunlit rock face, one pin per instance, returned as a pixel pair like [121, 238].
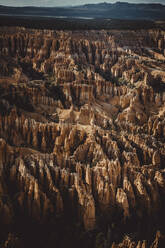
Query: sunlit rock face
[82, 127]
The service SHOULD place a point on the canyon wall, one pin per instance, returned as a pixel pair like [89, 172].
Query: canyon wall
[82, 129]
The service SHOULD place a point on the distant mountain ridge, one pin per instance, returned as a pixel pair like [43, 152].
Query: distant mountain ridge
[123, 4]
[118, 10]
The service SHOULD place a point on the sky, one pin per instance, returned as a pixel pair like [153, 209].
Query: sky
[54, 3]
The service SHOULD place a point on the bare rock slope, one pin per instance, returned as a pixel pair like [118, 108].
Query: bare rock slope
[82, 127]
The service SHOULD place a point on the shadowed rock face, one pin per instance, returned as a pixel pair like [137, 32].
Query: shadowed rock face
[82, 127]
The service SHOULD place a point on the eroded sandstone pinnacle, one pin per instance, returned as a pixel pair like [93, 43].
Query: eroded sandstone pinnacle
[82, 127]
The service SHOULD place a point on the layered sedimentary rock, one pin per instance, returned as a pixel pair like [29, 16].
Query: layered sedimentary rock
[82, 126]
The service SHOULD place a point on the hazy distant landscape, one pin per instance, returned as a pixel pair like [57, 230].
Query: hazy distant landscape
[118, 10]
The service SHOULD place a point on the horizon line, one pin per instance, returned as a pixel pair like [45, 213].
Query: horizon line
[74, 5]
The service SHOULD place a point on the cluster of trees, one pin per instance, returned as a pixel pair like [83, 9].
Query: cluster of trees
[76, 24]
